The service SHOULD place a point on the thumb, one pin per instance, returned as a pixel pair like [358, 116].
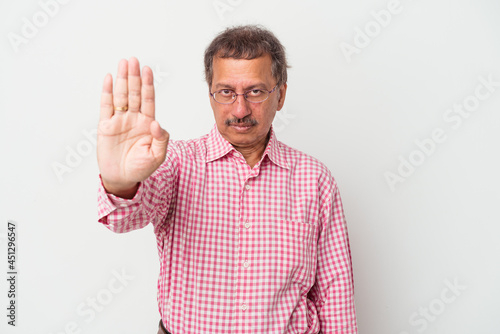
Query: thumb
[160, 140]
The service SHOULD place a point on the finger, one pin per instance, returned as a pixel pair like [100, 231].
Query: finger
[134, 85]
[120, 95]
[107, 98]
[148, 93]
[160, 140]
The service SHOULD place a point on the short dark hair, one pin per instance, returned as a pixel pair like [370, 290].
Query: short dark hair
[247, 42]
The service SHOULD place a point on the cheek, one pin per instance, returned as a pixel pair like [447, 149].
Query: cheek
[270, 112]
[221, 113]
[271, 117]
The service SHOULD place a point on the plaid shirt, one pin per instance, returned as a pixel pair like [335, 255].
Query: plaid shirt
[261, 250]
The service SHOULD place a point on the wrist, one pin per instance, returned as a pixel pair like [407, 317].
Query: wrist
[126, 191]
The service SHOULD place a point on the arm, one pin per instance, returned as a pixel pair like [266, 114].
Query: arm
[151, 203]
[131, 146]
[333, 290]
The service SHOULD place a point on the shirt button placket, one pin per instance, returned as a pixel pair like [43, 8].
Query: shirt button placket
[246, 264]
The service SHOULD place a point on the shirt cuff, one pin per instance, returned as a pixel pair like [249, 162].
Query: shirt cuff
[107, 203]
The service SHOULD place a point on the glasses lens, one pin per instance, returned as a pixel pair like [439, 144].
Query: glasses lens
[224, 96]
[256, 95]
[227, 96]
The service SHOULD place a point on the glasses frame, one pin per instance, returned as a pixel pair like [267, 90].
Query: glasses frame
[244, 95]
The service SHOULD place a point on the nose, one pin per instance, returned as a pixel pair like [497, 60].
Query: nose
[241, 107]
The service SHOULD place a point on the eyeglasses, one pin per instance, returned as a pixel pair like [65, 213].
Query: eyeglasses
[228, 96]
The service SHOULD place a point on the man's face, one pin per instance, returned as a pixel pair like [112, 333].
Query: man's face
[245, 124]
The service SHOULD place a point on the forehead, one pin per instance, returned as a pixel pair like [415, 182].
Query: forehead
[242, 72]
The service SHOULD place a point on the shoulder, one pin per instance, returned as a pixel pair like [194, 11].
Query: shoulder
[183, 146]
[309, 174]
[180, 152]
[300, 161]
[191, 148]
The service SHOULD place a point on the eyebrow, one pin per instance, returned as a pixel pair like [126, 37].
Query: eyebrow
[228, 86]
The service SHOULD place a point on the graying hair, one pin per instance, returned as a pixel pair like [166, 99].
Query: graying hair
[247, 42]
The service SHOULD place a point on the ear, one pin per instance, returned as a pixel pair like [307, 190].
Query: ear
[282, 95]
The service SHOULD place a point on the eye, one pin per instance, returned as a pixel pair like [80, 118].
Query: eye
[254, 92]
[226, 92]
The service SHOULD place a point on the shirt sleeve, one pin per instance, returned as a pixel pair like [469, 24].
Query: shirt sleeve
[152, 203]
[333, 290]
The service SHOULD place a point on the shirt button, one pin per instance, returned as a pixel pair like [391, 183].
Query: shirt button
[246, 264]
[247, 224]
[243, 307]
[247, 187]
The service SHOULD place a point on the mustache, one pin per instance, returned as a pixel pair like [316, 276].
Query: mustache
[241, 121]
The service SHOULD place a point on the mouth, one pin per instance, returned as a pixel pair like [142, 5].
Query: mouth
[241, 125]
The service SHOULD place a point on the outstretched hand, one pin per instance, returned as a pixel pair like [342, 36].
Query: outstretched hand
[131, 145]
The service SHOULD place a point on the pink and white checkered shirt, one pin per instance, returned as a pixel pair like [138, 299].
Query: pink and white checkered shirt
[262, 250]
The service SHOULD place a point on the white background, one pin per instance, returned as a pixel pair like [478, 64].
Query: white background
[360, 114]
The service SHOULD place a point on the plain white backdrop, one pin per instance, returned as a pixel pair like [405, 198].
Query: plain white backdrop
[371, 84]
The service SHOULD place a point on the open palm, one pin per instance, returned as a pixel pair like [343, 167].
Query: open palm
[131, 145]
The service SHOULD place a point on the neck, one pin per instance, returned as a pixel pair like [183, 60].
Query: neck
[253, 154]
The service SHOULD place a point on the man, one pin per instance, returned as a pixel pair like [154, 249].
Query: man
[250, 232]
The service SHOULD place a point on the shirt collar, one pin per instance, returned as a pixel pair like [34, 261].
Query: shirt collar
[218, 147]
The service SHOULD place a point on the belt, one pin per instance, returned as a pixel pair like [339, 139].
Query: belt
[162, 329]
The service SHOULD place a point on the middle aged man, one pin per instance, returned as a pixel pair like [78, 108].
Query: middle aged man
[250, 232]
